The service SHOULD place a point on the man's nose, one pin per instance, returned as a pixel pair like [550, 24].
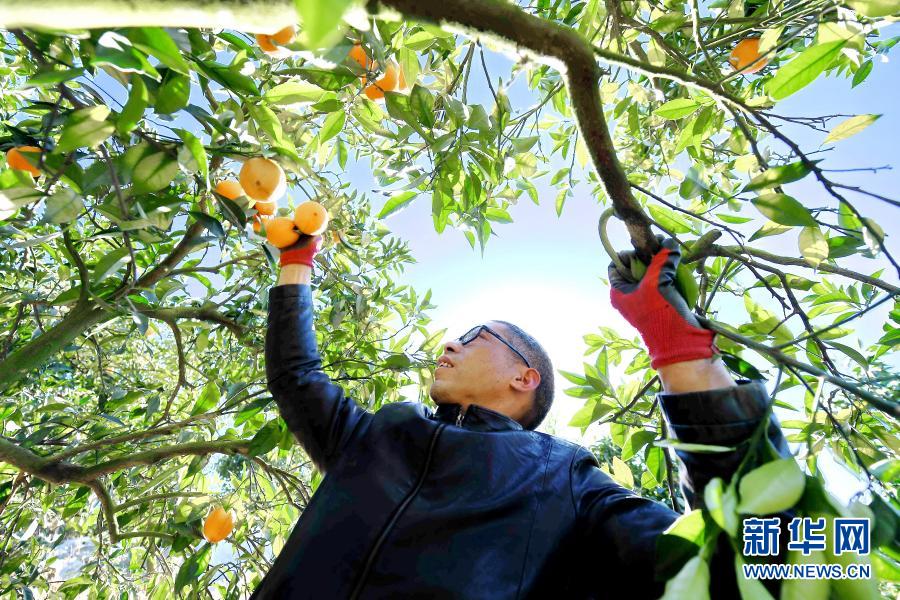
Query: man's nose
[452, 346]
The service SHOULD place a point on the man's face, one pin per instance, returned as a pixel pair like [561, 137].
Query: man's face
[481, 370]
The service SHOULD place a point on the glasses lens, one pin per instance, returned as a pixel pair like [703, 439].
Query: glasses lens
[470, 335]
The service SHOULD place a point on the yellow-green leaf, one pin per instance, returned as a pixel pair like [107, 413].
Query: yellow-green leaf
[875, 8]
[803, 69]
[692, 581]
[851, 126]
[621, 472]
[813, 245]
[771, 488]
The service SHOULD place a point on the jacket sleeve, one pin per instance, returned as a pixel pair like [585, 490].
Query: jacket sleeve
[315, 409]
[622, 528]
[721, 417]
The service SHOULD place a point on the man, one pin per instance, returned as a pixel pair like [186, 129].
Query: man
[468, 501]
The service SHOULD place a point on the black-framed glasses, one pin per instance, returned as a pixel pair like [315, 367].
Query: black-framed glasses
[476, 331]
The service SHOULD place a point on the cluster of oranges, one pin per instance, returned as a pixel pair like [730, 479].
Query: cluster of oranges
[263, 180]
[745, 56]
[16, 159]
[218, 525]
[391, 80]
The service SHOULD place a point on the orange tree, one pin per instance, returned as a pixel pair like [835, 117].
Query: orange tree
[133, 295]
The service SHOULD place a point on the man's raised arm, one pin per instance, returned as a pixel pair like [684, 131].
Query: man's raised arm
[702, 405]
[316, 410]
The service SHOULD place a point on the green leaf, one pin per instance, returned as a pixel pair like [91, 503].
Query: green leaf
[636, 441]
[771, 488]
[86, 127]
[751, 589]
[851, 126]
[669, 219]
[152, 171]
[265, 439]
[734, 219]
[173, 93]
[208, 398]
[621, 472]
[156, 42]
[678, 108]
[741, 366]
[803, 69]
[211, 223]
[784, 210]
[875, 8]
[396, 202]
[195, 146]
[332, 126]
[686, 284]
[133, 110]
[52, 77]
[813, 245]
[421, 102]
[327, 79]
[192, 568]
[692, 581]
[687, 447]
[63, 206]
[296, 92]
[228, 77]
[321, 21]
[478, 118]
[592, 411]
[497, 214]
[887, 470]
[778, 175]
[111, 262]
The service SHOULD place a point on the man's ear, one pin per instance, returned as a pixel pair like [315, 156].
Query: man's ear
[527, 381]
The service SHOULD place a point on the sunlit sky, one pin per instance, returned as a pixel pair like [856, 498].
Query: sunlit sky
[546, 273]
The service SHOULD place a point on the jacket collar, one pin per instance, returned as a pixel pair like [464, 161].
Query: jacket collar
[476, 418]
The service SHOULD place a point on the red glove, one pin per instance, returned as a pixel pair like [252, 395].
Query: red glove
[654, 307]
[302, 251]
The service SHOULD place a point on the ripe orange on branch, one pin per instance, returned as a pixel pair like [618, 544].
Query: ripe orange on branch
[745, 54]
[218, 525]
[270, 43]
[230, 188]
[280, 232]
[263, 179]
[311, 218]
[386, 83]
[16, 159]
[358, 53]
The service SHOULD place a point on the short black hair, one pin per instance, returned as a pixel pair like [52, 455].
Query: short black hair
[540, 361]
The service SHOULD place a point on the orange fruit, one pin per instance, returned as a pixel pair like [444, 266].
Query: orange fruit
[311, 218]
[265, 42]
[745, 54]
[218, 525]
[401, 79]
[258, 223]
[280, 232]
[387, 83]
[230, 188]
[17, 160]
[266, 207]
[358, 53]
[262, 179]
[282, 36]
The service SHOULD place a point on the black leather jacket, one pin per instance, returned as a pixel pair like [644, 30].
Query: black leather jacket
[422, 504]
